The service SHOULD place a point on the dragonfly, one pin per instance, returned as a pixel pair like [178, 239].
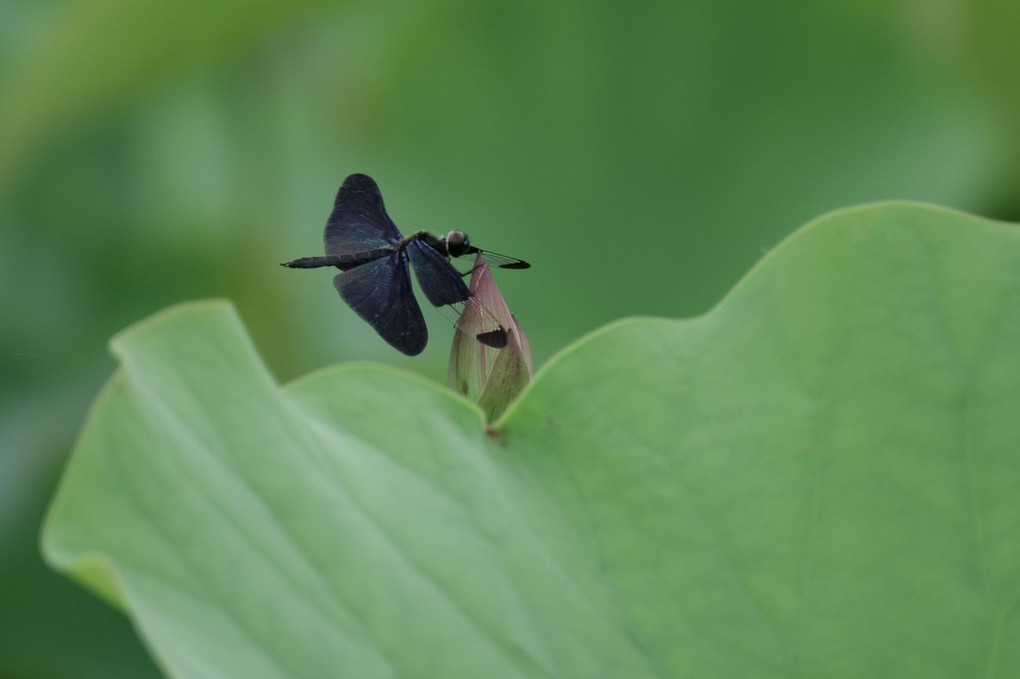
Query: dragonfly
[373, 256]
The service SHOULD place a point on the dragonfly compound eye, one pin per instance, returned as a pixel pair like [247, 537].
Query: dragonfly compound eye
[457, 243]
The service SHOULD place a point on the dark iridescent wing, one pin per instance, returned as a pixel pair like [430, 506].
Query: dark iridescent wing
[380, 292]
[439, 280]
[359, 221]
[444, 287]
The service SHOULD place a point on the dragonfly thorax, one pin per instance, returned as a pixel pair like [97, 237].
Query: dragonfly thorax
[457, 243]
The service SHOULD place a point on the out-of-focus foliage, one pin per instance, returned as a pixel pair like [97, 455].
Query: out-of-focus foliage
[640, 157]
[818, 478]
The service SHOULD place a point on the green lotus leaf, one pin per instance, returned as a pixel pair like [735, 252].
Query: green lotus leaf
[821, 477]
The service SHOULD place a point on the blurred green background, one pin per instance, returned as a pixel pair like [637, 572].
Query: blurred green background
[641, 157]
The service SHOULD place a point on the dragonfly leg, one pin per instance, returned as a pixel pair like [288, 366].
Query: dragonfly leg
[470, 271]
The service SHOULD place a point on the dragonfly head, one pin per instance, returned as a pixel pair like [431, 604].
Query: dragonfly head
[457, 243]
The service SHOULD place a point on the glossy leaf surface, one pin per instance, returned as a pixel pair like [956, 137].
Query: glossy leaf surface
[818, 478]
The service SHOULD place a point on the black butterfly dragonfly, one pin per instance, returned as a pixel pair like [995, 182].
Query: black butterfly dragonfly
[363, 242]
